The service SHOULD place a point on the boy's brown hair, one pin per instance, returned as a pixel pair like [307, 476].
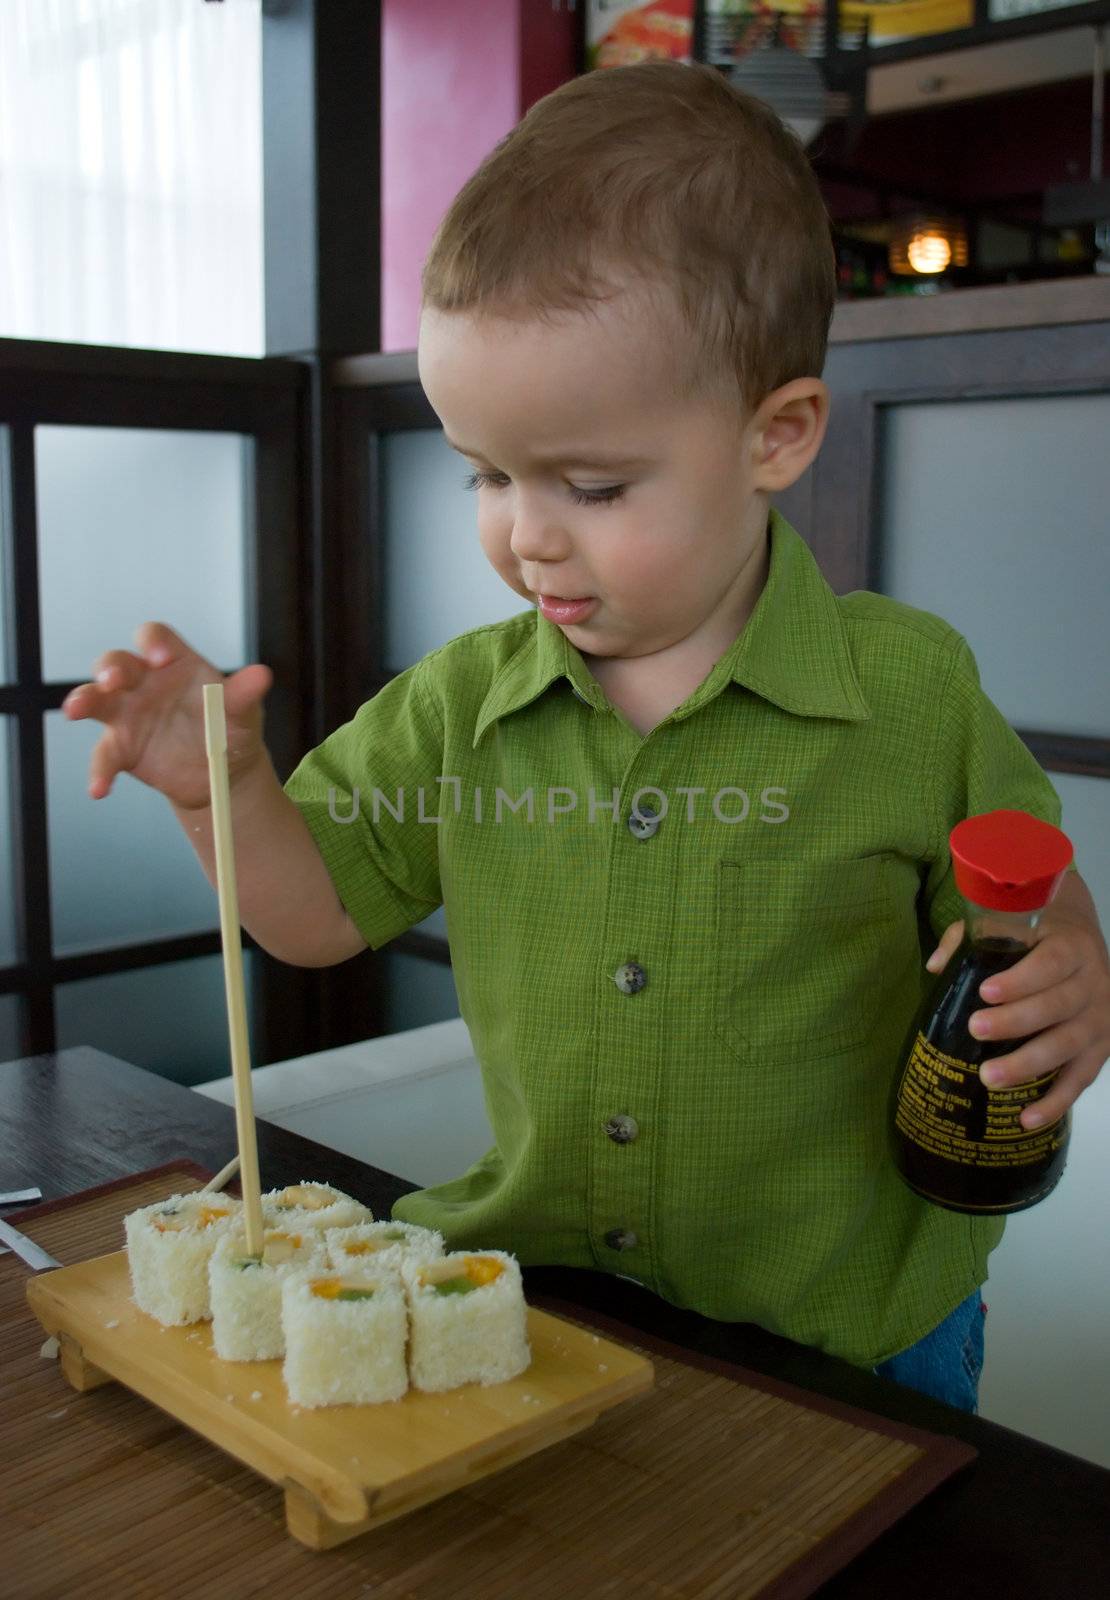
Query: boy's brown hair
[666, 171]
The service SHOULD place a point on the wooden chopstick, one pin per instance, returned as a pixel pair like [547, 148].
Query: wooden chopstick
[222, 1178]
[215, 737]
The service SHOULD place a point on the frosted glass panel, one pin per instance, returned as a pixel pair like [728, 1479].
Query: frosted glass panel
[437, 581]
[9, 948]
[1086, 821]
[138, 525]
[171, 1019]
[996, 515]
[10, 1045]
[121, 869]
[419, 992]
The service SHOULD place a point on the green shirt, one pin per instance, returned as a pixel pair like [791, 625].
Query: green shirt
[775, 908]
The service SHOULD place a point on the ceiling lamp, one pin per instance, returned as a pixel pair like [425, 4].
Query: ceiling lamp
[924, 246]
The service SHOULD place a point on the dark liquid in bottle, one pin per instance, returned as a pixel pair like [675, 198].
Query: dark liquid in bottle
[956, 1142]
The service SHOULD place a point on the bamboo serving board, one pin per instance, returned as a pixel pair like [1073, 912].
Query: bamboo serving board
[344, 1469]
[719, 1483]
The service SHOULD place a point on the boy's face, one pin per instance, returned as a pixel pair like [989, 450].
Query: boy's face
[596, 485]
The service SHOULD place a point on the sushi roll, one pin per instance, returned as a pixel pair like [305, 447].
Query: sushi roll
[246, 1293]
[381, 1244]
[468, 1319]
[345, 1336]
[168, 1249]
[312, 1206]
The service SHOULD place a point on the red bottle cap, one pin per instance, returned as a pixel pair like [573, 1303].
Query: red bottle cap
[1008, 860]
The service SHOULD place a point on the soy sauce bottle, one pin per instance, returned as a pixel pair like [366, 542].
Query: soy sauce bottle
[957, 1142]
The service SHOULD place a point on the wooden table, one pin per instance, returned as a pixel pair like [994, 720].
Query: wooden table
[1026, 1522]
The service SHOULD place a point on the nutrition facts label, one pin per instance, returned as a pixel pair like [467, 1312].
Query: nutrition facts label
[947, 1110]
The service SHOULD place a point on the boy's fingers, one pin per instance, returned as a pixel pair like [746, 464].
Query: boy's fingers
[1048, 963]
[159, 644]
[119, 669]
[103, 766]
[90, 700]
[946, 949]
[1019, 1018]
[1073, 1079]
[79, 702]
[1045, 1052]
[245, 688]
[114, 671]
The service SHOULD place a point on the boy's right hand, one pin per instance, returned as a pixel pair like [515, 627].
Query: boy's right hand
[152, 709]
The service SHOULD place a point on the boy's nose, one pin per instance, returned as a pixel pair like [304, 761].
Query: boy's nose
[536, 537]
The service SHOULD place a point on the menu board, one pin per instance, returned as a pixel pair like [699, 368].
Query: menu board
[1000, 10]
[896, 21]
[622, 32]
[737, 27]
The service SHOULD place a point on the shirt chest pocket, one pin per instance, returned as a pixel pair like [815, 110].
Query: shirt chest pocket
[801, 950]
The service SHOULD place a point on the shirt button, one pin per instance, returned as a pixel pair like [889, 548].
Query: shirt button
[630, 978]
[621, 1239]
[622, 1129]
[643, 822]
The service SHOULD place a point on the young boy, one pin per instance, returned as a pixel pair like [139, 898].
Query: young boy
[688, 812]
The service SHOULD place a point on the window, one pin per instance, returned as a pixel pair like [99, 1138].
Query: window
[179, 505]
[133, 216]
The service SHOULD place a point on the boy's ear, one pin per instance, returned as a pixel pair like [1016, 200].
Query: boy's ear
[787, 431]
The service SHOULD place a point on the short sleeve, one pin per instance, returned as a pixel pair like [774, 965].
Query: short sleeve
[980, 765]
[369, 797]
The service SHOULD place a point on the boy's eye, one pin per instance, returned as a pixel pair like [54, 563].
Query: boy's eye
[583, 497]
[485, 480]
[596, 497]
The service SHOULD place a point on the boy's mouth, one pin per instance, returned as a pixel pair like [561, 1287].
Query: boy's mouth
[556, 609]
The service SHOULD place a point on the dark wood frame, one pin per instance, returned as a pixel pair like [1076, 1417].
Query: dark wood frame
[363, 415]
[837, 504]
[356, 583]
[89, 385]
[321, 153]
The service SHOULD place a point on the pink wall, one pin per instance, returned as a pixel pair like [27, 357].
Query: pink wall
[450, 90]
[456, 76]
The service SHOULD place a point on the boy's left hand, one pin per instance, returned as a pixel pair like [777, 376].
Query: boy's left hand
[1060, 992]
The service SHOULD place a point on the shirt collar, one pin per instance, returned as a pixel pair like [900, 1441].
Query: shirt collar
[793, 651]
[794, 648]
[544, 656]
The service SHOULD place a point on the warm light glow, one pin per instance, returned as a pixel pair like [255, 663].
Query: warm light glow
[929, 252]
[926, 245]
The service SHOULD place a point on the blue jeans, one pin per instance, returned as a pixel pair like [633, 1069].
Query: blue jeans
[947, 1362]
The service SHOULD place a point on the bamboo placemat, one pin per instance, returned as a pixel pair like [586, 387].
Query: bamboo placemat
[710, 1486]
